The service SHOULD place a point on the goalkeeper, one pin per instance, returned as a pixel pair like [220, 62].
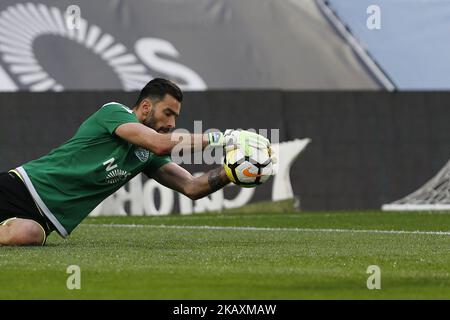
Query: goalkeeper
[56, 192]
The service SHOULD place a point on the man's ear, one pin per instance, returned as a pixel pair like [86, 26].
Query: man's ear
[146, 105]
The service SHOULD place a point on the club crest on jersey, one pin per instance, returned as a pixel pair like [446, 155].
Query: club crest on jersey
[142, 154]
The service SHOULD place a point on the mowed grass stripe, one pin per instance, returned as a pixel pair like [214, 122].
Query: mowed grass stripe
[369, 220]
[418, 232]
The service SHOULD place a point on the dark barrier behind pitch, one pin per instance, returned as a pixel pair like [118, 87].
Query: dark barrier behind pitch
[367, 148]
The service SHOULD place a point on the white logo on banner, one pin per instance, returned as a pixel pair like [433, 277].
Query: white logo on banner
[22, 24]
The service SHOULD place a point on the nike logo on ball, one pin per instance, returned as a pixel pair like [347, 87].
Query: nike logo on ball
[247, 173]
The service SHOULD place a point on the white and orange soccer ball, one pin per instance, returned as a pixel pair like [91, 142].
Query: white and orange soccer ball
[250, 167]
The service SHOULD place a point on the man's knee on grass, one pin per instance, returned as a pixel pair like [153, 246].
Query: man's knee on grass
[21, 232]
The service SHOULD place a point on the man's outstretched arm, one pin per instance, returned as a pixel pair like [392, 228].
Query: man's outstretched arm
[177, 178]
[159, 143]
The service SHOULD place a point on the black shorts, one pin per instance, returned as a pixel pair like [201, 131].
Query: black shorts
[16, 202]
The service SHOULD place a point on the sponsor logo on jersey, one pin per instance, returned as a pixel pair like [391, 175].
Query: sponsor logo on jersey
[142, 154]
[117, 175]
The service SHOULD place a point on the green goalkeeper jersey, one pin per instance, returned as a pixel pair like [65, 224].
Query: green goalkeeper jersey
[70, 181]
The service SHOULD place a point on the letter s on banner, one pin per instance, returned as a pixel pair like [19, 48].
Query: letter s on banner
[147, 50]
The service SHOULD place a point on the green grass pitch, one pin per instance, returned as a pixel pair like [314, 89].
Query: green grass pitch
[257, 254]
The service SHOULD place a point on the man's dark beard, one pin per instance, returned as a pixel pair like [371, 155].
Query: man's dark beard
[151, 123]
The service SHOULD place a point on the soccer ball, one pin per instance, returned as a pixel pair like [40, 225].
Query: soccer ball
[248, 170]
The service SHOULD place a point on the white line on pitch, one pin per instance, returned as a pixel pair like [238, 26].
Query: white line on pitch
[441, 233]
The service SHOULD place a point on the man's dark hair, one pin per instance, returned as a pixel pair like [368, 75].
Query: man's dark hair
[157, 88]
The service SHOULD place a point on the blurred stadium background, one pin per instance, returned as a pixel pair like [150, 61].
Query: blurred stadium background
[366, 81]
